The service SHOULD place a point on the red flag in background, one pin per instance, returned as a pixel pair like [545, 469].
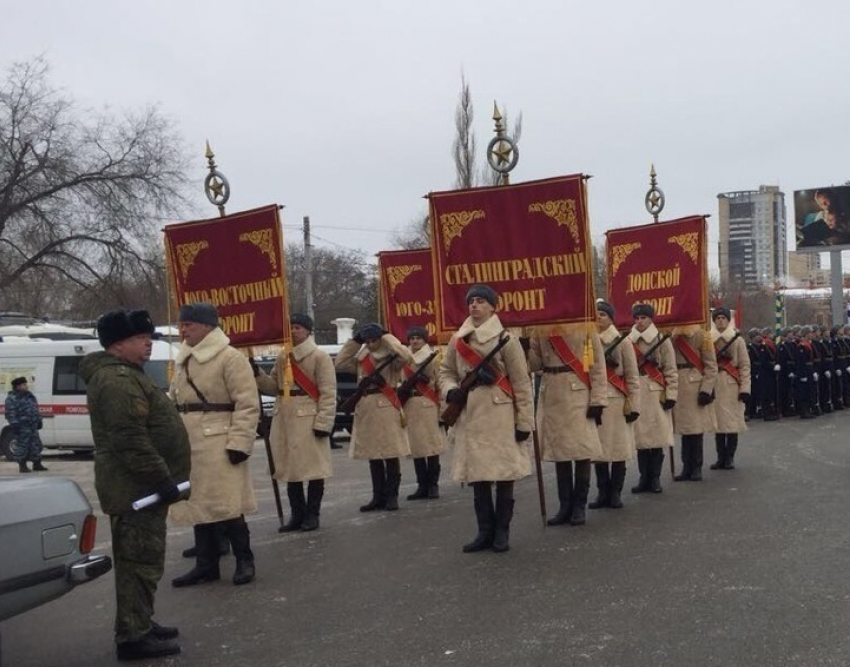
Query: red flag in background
[739, 313]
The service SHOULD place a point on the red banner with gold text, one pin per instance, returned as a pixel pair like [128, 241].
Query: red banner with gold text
[407, 291]
[235, 263]
[528, 241]
[664, 264]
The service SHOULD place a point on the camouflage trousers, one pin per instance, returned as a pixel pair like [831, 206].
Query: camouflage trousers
[138, 550]
[27, 444]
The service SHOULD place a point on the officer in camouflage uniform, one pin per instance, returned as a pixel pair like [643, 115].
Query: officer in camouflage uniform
[22, 415]
[141, 447]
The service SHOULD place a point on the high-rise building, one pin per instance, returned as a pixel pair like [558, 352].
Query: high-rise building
[753, 237]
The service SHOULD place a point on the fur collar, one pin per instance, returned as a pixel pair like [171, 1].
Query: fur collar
[488, 330]
[648, 336]
[423, 354]
[726, 336]
[609, 335]
[213, 343]
[303, 349]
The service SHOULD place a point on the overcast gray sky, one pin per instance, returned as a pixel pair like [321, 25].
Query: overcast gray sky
[343, 110]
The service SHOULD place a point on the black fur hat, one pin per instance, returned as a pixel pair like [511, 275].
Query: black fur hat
[18, 381]
[422, 332]
[302, 320]
[605, 307]
[370, 331]
[116, 325]
[643, 309]
[202, 313]
[484, 292]
[721, 310]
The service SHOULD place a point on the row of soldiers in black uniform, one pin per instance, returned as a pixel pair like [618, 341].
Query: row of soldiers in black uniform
[804, 372]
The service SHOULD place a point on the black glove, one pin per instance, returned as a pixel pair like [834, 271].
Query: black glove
[521, 436]
[454, 396]
[358, 338]
[236, 457]
[632, 416]
[668, 404]
[594, 412]
[254, 366]
[319, 433]
[168, 491]
[704, 398]
[485, 376]
[743, 397]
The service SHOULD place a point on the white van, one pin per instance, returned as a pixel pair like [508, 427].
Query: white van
[50, 367]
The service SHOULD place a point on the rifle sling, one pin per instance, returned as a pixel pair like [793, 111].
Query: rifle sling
[474, 359]
[386, 390]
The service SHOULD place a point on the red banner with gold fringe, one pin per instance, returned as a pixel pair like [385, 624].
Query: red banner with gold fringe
[664, 264]
[530, 242]
[406, 282]
[235, 263]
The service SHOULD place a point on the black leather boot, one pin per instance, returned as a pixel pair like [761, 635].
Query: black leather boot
[206, 562]
[504, 514]
[379, 486]
[420, 465]
[221, 539]
[434, 477]
[240, 540]
[656, 463]
[22, 466]
[564, 475]
[687, 459]
[297, 506]
[315, 492]
[720, 445]
[147, 647]
[38, 466]
[603, 487]
[581, 486]
[643, 459]
[696, 457]
[393, 482]
[731, 448]
[485, 515]
[618, 478]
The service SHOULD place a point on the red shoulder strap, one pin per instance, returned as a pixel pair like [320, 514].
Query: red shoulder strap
[386, 389]
[303, 380]
[472, 357]
[565, 354]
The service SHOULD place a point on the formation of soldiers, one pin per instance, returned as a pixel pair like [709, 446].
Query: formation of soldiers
[805, 372]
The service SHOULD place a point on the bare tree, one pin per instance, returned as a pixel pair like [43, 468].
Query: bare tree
[417, 234]
[344, 285]
[81, 193]
[464, 147]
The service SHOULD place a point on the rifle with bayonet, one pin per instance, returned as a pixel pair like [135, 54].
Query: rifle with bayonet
[374, 379]
[470, 381]
[405, 389]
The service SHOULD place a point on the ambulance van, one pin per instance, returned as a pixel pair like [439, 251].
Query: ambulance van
[50, 367]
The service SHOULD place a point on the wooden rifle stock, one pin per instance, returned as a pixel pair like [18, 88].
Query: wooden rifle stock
[405, 389]
[452, 412]
[371, 379]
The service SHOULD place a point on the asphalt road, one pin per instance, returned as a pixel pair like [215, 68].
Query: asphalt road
[748, 568]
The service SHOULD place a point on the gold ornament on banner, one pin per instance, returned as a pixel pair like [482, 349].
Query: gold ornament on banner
[562, 211]
[620, 253]
[396, 275]
[453, 224]
[262, 238]
[186, 254]
[689, 243]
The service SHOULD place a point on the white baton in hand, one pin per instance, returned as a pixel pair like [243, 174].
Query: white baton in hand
[154, 498]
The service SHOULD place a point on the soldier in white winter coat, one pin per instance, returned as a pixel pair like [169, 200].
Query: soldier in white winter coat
[490, 435]
[302, 422]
